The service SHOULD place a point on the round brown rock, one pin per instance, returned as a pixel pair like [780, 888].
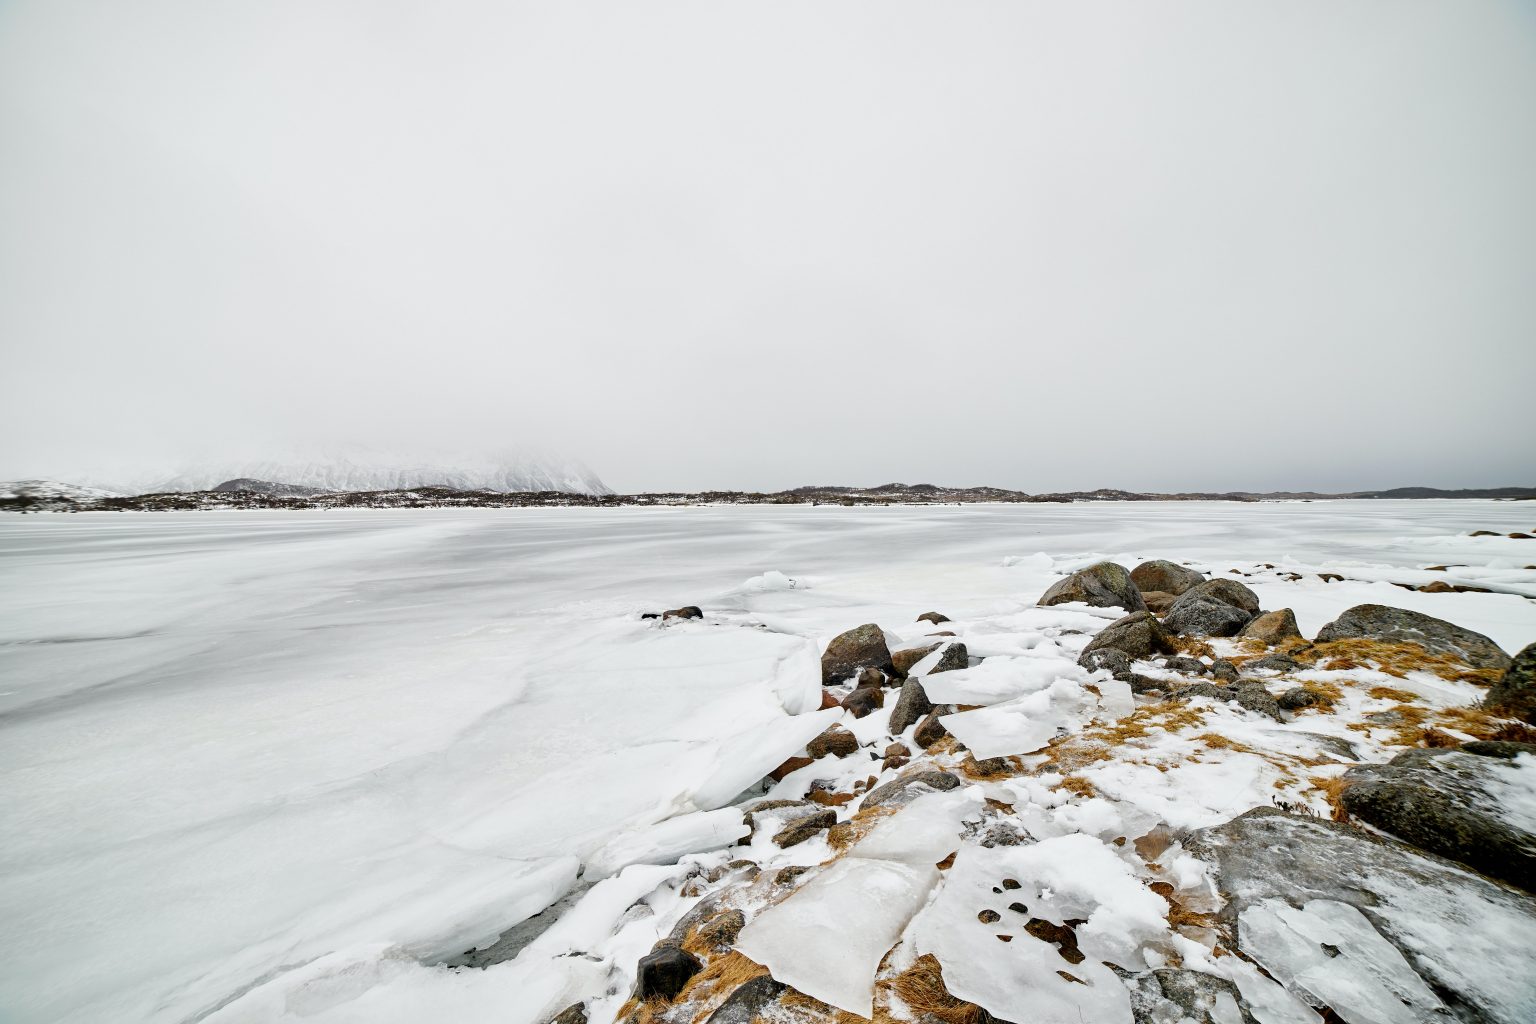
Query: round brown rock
[858, 648]
[1168, 577]
[1104, 585]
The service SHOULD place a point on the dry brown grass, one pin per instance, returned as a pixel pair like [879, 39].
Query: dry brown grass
[1332, 789]
[1327, 694]
[1395, 659]
[1220, 742]
[1194, 647]
[1389, 693]
[1077, 786]
[845, 833]
[921, 987]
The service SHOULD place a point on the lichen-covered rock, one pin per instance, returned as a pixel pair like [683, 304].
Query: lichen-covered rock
[1224, 670]
[1257, 699]
[861, 647]
[1229, 591]
[1138, 634]
[1399, 625]
[1168, 577]
[911, 705]
[1272, 627]
[836, 741]
[1515, 694]
[1464, 935]
[1451, 803]
[1104, 585]
[1187, 665]
[664, 971]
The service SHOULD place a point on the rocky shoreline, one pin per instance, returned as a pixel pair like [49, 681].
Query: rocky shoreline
[1190, 813]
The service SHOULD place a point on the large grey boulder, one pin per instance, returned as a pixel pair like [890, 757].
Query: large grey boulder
[1401, 626]
[861, 647]
[1210, 610]
[1104, 585]
[1168, 577]
[1452, 803]
[911, 705]
[1467, 937]
[1515, 694]
[1138, 634]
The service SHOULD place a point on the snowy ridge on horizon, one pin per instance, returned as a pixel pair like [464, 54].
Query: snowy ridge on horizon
[359, 469]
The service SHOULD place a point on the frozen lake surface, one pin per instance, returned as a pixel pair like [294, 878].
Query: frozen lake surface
[232, 743]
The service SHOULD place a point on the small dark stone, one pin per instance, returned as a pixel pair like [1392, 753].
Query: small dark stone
[1224, 670]
[989, 917]
[1116, 662]
[686, 612]
[1256, 698]
[664, 971]
[803, 828]
[1272, 663]
[576, 1013]
[1184, 663]
[872, 677]
[864, 701]
[1018, 908]
[933, 617]
[1012, 883]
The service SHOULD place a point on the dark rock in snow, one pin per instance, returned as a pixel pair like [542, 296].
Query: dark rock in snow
[794, 764]
[1217, 607]
[664, 971]
[930, 730]
[1272, 663]
[860, 647]
[1499, 748]
[1168, 577]
[1224, 670]
[1116, 661]
[1515, 694]
[911, 705]
[576, 1013]
[902, 791]
[1138, 634]
[836, 741]
[872, 677]
[686, 612]
[1449, 924]
[1105, 585]
[1296, 698]
[1256, 698]
[905, 658]
[799, 830]
[933, 617]
[1449, 803]
[1230, 592]
[750, 1003]
[1184, 663]
[1399, 625]
[864, 701]
[1210, 690]
[1273, 627]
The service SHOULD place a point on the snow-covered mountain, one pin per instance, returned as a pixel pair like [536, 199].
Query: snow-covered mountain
[51, 489]
[363, 469]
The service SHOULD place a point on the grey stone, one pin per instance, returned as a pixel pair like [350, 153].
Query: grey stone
[1177, 996]
[1296, 698]
[1272, 663]
[860, 647]
[902, 791]
[1104, 585]
[1211, 690]
[864, 701]
[1138, 634]
[911, 705]
[1224, 670]
[1449, 803]
[1399, 625]
[1499, 748]
[1415, 901]
[930, 730]
[1257, 699]
[1168, 577]
[1515, 694]
[1184, 663]
[750, 1003]
[1117, 662]
[1214, 608]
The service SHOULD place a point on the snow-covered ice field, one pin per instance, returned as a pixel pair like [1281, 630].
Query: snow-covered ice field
[234, 743]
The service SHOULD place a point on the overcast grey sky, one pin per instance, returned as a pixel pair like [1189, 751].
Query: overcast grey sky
[1038, 245]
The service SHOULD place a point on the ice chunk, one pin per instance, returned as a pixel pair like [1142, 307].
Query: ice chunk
[828, 938]
[1333, 953]
[1025, 723]
[922, 833]
[1071, 877]
[666, 841]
